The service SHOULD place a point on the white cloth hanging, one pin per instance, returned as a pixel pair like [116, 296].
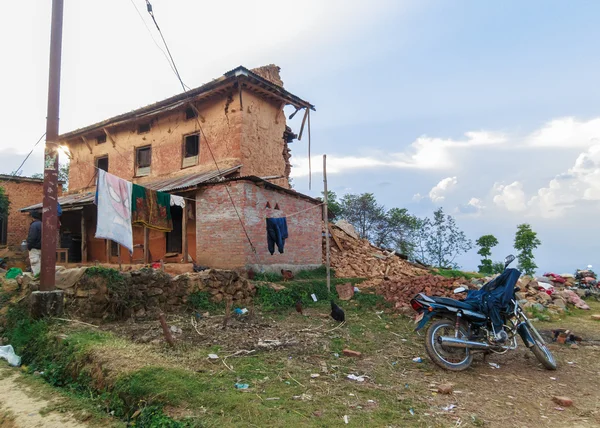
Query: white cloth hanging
[177, 201]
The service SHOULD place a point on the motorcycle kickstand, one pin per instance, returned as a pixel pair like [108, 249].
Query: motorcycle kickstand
[485, 355]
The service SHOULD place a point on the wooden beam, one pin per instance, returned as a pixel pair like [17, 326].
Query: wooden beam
[184, 241]
[119, 256]
[335, 239]
[83, 239]
[107, 241]
[240, 95]
[302, 126]
[87, 143]
[110, 137]
[146, 245]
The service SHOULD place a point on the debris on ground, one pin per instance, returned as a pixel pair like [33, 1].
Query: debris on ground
[351, 353]
[417, 360]
[494, 365]
[400, 290]
[242, 386]
[213, 357]
[8, 353]
[449, 407]
[356, 378]
[445, 388]
[563, 401]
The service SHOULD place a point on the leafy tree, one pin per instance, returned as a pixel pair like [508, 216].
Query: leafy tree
[526, 241]
[38, 175]
[4, 203]
[363, 212]
[497, 267]
[397, 229]
[422, 232]
[63, 175]
[445, 241]
[486, 242]
[334, 209]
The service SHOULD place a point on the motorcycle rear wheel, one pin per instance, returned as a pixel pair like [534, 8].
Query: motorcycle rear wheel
[454, 359]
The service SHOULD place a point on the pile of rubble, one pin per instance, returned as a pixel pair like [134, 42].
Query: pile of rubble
[550, 292]
[352, 257]
[399, 291]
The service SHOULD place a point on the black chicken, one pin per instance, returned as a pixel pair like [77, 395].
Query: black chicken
[337, 313]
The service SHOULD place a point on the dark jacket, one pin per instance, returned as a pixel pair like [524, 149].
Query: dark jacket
[277, 233]
[34, 239]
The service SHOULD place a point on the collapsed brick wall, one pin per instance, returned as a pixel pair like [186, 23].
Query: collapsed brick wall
[147, 292]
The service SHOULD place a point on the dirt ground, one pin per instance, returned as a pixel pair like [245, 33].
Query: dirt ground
[396, 391]
[20, 407]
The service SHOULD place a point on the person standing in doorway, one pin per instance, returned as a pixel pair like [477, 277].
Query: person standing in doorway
[34, 242]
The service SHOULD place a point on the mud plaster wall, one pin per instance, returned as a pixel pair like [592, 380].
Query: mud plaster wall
[262, 138]
[221, 239]
[166, 138]
[21, 194]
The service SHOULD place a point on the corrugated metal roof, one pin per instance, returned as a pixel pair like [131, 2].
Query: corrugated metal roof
[168, 185]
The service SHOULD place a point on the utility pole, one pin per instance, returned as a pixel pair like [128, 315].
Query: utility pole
[326, 219]
[49, 301]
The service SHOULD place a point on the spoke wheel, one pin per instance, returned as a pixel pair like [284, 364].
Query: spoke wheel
[449, 358]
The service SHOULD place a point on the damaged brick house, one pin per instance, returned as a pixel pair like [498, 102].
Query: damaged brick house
[224, 147]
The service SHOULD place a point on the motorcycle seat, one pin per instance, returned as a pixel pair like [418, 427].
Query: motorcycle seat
[451, 302]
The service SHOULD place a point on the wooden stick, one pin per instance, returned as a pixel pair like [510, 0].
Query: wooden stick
[309, 165]
[290, 376]
[166, 330]
[75, 321]
[326, 220]
[303, 122]
[227, 313]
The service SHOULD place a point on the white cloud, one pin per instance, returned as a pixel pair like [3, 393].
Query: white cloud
[566, 132]
[424, 153]
[474, 207]
[476, 203]
[436, 194]
[418, 197]
[581, 182]
[511, 197]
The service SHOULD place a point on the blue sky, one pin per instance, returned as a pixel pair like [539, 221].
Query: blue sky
[488, 109]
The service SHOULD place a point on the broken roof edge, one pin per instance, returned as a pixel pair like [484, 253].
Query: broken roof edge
[267, 184]
[175, 101]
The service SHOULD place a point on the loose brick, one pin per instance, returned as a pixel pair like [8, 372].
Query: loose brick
[351, 353]
[563, 401]
[445, 388]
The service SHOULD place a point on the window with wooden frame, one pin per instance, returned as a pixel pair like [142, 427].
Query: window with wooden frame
[114, 249]
[100, 139]
[143, 160]
[102, 163]
[191, 150]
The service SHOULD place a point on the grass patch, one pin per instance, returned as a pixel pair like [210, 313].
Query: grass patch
[201, 301]
[454, 273]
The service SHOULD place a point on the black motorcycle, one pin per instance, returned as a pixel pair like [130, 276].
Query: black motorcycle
[461, 328]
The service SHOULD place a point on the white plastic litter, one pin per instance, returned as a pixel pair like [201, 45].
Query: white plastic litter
[314, 297]
[494, 365]
[449, 407]
[8, 353]
[213, 356]
[356, 378]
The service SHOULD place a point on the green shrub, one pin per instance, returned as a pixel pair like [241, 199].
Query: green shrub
[201, 300]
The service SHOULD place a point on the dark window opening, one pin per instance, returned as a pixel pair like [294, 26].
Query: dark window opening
[192, 145]
[174, 237]
[114, 248]
[102, 163]
[143, 158]
[276, 206]
[143, 127]
[101, 139]
[268, 205]
[190, 113]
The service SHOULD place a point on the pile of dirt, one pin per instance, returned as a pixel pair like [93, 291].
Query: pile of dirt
[401, 290]
[352, 257]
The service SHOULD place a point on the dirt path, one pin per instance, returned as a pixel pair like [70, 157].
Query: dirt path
[19, 408]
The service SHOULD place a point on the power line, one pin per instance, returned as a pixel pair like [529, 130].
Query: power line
[149, 7]
[16, 171]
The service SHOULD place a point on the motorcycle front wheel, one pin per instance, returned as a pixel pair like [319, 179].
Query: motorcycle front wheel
[540, 350]
[455, 359]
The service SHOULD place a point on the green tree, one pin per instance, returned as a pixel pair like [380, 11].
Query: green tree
[4, 203]
[334, 209]
[63, 175]
[486, 242]
[423, 230]
[397, 229]
[445, 241]
[526, 241]
[364, 213]
[497, 267]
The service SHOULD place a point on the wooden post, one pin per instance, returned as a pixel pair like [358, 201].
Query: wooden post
[146, 245]
[326, 219]
[166, 331]
[107, 241]
[184, 241]
[83, 238]
[119, 256]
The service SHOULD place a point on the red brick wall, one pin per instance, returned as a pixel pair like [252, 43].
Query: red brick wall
[221, 239]
[21, 194]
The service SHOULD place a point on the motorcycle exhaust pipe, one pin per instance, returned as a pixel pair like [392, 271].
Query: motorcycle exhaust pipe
[453, 342]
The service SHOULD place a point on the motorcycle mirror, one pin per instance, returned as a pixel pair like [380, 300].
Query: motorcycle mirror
[508, 260]
[460, 289]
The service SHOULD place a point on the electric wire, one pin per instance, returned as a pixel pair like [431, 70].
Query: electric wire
[16, 171]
